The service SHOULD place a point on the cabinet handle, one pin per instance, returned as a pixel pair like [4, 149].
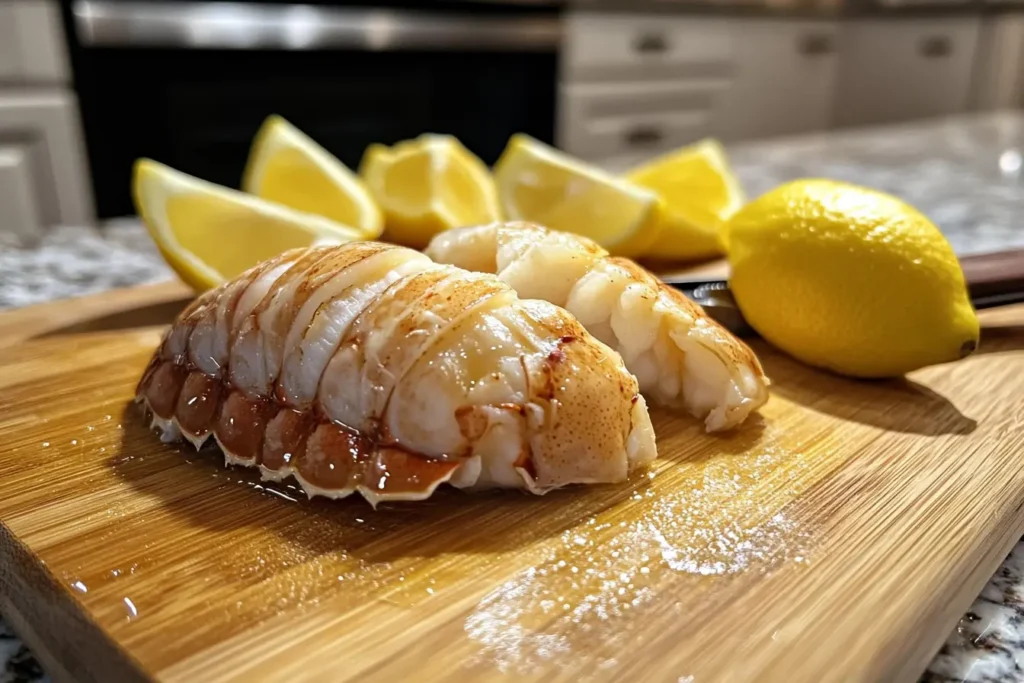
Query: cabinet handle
[936, 46]
[643, 136]
[815, 44]
[651, 43]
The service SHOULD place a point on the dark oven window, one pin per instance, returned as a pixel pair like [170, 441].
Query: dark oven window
[198, 110]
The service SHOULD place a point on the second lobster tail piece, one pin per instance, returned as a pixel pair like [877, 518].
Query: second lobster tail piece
[368, 368]
[681, 357]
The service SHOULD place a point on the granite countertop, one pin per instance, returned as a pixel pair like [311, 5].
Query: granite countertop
[965, 173]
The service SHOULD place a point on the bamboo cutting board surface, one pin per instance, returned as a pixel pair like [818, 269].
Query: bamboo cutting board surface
[838, 537]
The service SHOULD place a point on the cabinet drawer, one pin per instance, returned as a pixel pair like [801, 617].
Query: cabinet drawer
[600, 121]
[785, 79]
[904, 69]
[641, 135]
[32, 42]
[614, 47]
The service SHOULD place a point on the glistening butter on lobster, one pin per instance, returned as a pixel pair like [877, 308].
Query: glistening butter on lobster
[681, 357]
[368, 368]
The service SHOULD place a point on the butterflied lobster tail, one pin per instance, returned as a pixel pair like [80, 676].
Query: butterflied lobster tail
[368, 368]
[681, 357]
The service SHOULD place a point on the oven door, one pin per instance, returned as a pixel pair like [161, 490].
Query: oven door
[188, 84]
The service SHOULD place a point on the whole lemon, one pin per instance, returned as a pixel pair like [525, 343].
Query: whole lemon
[849, 279]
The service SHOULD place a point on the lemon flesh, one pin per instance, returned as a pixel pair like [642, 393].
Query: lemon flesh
[428, 185]
[375, 156]
[540, 184]
[700, 193]
[849, 279]
[209, 234]
[288, 167]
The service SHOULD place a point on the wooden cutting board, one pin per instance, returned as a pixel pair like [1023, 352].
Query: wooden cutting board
[837, 538]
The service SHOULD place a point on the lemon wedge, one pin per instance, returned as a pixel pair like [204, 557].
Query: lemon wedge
[700, 193]
[428, 185]
[286, 166]
[375, 156]
[541, 184]
[208, 233]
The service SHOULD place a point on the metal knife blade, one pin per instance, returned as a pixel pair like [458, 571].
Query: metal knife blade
[716, 299]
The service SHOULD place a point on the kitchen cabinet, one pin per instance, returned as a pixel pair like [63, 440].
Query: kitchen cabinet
[32, 46]
[43, 174]
[639, 85]
[20, 210]
[40, 135]
[897, 69]
[999, 64]
[600, 121]
[784, 80]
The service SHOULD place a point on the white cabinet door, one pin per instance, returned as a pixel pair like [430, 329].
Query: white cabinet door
[32, 42]
[43, 150]
[784, 80]
[19, 218]
[999, 64]
[901, 69]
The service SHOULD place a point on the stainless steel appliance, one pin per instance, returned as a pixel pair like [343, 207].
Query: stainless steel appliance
[188, 83]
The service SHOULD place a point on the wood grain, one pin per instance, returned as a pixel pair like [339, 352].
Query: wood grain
[837, 538]
[717, 268]
[117, 309]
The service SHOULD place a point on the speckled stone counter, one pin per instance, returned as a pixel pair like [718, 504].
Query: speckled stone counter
[965, 173]
[79, 261]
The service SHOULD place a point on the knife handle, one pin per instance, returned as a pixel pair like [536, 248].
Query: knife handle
[995, 278]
